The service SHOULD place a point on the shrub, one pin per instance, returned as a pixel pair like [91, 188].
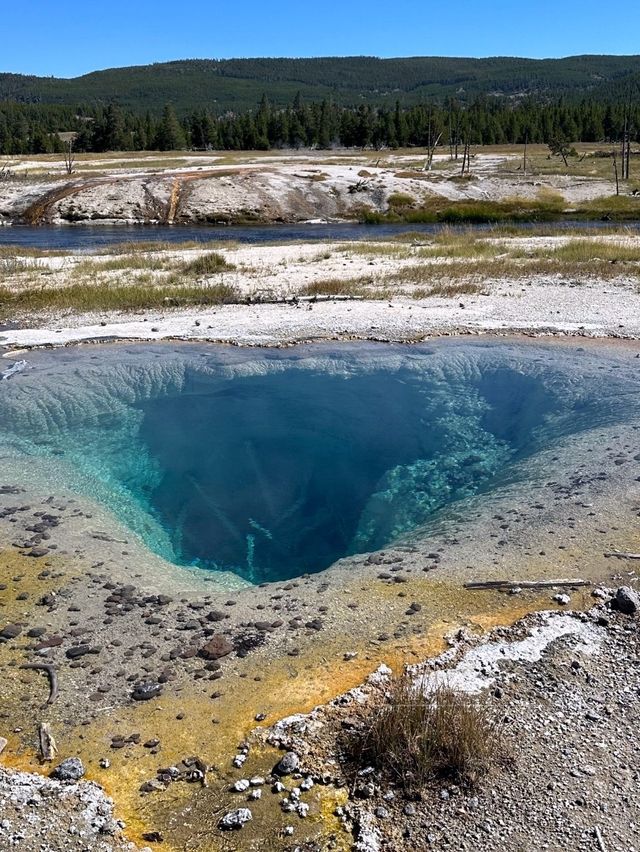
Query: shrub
[400, 199]
[207, 264]
[413, 738]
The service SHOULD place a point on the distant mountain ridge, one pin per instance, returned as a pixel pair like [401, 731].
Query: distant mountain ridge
[238, 84]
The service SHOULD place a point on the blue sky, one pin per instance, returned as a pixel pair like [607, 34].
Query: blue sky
[70, 38]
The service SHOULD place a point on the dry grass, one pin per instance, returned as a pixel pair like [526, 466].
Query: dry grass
[412, 738]
[88, 297]
[357, 288]
[150, 246]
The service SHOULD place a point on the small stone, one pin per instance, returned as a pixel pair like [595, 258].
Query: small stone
[563, 600]
[3, 744]
[627, 600]
[11, 631]
[78, 651]
[70, 769]
[218, 646]
[241, 786]
[234, 820]
[288, 764]
[146, 691]
[153, 837]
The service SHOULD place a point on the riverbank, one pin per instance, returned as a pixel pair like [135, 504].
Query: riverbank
[407, 289]
[315, 185]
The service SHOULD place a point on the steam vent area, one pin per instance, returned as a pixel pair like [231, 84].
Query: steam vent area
[200, 541]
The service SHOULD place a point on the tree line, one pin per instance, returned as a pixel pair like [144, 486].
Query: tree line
[36, 128]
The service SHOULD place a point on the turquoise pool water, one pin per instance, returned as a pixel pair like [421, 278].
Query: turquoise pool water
[273, 463]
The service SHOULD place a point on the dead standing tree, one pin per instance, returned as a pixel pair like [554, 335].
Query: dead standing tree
[626, 146]
[69, 157]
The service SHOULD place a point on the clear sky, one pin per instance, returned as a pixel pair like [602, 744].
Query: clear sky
[69, 38]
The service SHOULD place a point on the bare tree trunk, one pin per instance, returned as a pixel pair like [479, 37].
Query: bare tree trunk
[69, 158]
[615, 171]
[430, 152]
[524, 162]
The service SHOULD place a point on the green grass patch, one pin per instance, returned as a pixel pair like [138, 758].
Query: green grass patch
[207, 264]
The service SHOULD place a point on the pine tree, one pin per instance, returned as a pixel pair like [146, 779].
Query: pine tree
[170, 135]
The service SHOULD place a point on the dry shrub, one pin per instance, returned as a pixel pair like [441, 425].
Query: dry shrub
[413, 738]
[207, 264]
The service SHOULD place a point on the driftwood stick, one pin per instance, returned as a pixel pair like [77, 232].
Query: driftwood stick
[524, 584]
[53, 678]
[48, 747]
[621, 555]
[600, 839]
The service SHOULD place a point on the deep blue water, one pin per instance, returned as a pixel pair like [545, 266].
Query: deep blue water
[90, 237]
[273, 463]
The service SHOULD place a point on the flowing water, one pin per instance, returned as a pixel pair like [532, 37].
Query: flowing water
[272, 463]
[97, 236]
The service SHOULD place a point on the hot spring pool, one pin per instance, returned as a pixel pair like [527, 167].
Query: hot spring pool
[273, 463]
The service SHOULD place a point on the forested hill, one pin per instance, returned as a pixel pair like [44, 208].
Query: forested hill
[238, 84]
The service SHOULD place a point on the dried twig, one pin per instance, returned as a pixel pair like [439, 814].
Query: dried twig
[53, 678]
[621, 555]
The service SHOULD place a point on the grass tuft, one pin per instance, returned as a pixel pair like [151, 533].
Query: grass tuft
[413, 738]
[207, 264]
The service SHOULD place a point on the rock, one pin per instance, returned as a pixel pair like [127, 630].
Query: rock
[234, 820]
[152, 786]
[218, 646]
[563, 600]
[627, 600]
[3, 744]
[78, 651]
[11, 631]
[146, 691]
[241, 786]
[70, 769]
[288, 764]
[153, 837]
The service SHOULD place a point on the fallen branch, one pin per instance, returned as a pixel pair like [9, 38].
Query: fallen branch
[53, 678]
[620, 555]
[523, 584]
[600, 840]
